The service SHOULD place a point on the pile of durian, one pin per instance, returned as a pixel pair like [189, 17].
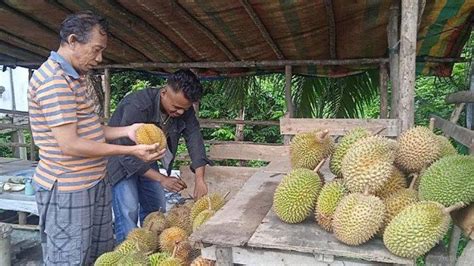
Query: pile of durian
[400, 190]
[163, 239]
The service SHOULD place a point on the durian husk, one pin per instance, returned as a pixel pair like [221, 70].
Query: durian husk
[180, 216]
[216, 199]
[202, 218]
[170, 236]
[151, 134]
[368, 164]
[343, 146]
[357, 218]
[156, 258]
[155, 222]
[134, 259]
[417, 229]
[200, 261]
[147, 238]
[129, 246]
[108, 259]
[394, 183]
[328, 199]
[446, 148]
[309, 148]
[417, 149]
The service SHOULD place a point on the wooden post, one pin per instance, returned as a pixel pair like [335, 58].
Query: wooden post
[106, 83]
[470, 106]
[17, 135]
[239, 130]
[32, 141]
[407, 65]
[393, 51]
[289, 101]
[383, 83]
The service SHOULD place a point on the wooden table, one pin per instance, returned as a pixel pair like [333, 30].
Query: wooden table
[16, 201]
[246, 231]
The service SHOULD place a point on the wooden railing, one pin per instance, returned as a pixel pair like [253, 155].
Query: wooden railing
[18, 142]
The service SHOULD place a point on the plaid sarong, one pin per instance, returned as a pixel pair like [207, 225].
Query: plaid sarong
[76, 227]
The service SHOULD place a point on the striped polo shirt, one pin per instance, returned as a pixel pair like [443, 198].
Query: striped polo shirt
[56, 96]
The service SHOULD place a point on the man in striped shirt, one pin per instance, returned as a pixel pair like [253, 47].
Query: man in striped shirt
[74, 200]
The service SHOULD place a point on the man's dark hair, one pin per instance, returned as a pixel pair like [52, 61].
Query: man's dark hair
[184, 80]
[81, 24]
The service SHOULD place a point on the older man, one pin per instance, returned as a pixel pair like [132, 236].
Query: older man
[74, 201]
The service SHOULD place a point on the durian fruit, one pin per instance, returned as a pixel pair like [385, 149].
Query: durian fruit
[368, 164]
[396, 202]
[183, 252]
[202, 218]
[171, 261]
[150, 134]
[343, 146]
[129, 246]
[295, 197]
[157, 258]
[170, 236]
[217, 201]
[147, 238]
[357, 218]
[200, 261]
[449, 180]
[417, 149]
[445, 146]
[179, 216]
[108, 259]
[309, 148]
[328, 199]
[418, 228]
[134, 259]
[395, 182]
[155, 222]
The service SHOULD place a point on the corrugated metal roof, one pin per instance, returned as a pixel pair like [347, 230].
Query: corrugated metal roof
[220, 31]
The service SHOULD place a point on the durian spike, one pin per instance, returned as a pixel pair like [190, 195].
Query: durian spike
[319, 165]
[454, 207]
[413, 180]
[366, 190]
[432, 122]
[323, 134]
[209, 203]
[379, 131]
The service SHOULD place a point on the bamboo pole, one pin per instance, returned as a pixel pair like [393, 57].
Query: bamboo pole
[383, 84]
[407, 63]
[393, 51]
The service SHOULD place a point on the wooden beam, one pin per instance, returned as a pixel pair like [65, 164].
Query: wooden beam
[217, 123]
[408, 30]
[462, 135]
[263, 30]
[393, 52]
[106, 83]
[18, 42]
[383, 85]
[19, 53]
[13, 126]
[332, 28]
[11, 112]
[250, 64]
[184, 13]
[460, 97]
[339, 127]
[247, 151]
[456, 114]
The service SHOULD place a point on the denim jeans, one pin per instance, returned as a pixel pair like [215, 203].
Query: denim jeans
[135, 197]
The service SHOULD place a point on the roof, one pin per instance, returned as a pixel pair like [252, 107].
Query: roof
[233, 31]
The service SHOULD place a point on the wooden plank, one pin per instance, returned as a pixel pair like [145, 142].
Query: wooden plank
[274, 257]
[438, 256]
[220, 179]
[224, 256]
[307, 237]
[241, 151]
[234, 224]
[15, 205]
[460, 134]
[408, 30]
[338, 127]
[460, 97]
[453, 244]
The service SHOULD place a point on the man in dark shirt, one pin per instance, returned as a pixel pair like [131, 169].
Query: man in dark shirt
[138, 186]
